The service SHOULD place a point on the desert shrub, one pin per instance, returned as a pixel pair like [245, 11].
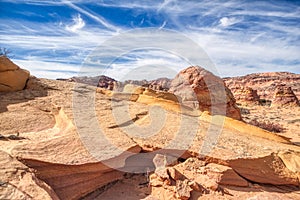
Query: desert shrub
[5, 52]
[265, 102]
[244, 111]
[269, 126]
[294, 121]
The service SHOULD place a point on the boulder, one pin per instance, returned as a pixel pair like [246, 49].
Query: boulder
[199, 88]
[12, 77]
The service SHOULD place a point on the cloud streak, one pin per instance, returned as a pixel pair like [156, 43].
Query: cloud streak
[96, 17]
[77, 25]
[239, 36]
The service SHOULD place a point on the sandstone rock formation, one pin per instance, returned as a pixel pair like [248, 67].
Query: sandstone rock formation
[65, 140]
[265, 83]
[99, 81]
[284, 96]
[160, 84]
[245, 95]
[107, 82]
[12, 77]
[200, 88]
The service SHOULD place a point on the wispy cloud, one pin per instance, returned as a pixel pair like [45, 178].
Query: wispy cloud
[77, 24]
[96, 17]
[239, 36]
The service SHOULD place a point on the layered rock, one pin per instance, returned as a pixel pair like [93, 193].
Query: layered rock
[12, 77]
[52, 158]
[107, 82]
[99, 81]
[284, 96]
[198, 87]
[157, 84]
[265, 83]
[195, 176]
[245, 95]
[160, 84]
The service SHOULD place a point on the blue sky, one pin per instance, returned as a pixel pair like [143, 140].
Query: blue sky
[53, 39]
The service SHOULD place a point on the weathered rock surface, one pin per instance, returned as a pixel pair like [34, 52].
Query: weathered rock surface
[12, 77]
[157, 84]
[270, 169]
[200, 88]
[99, 81]
[160, 84]
[52, 158]
[284, 96]
[245, 95]
[265, 83]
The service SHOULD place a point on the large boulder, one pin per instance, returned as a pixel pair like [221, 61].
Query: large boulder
[199, 88]
[12, 77]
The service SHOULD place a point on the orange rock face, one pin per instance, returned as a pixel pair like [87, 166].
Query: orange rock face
[198, 87]
[12, 77]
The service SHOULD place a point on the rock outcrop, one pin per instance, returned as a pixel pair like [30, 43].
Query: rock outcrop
[200, 88]
[160, 84]
[107, 83]
[245, 95]
[12, 77]
[284, 96]
[99, 81]
[61, 146]
[157, 84]
[265, 83]
[195, 176]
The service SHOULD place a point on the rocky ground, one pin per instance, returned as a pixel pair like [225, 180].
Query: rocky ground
[67, 140]
[280, 116]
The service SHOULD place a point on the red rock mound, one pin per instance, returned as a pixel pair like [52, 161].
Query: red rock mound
[245, 95]
[198, 87]
[284, 96]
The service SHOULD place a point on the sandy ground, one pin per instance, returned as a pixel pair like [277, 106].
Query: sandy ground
[287, 117]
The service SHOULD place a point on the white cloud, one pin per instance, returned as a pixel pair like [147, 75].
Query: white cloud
[48, 69]
[268, 36]
[77, 24]
[90, 14]
[228, 21]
